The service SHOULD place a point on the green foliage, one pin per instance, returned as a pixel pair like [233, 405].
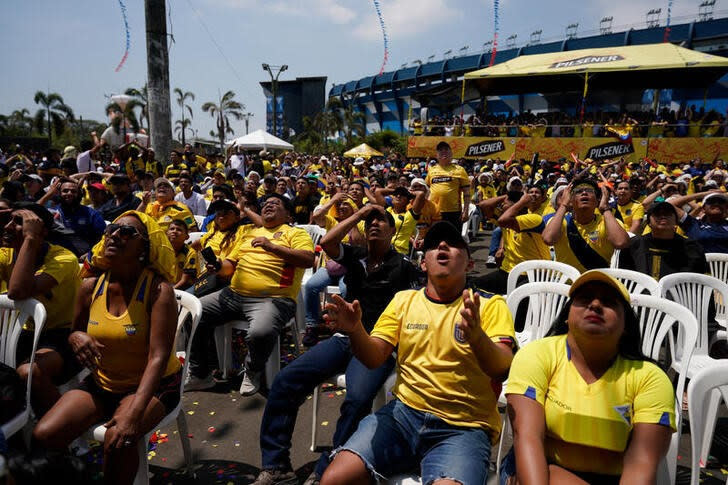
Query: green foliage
[387, 141]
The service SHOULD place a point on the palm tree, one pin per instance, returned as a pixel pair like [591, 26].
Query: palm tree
[181, 98]
[53, 111]
[21, 120]
[180, 127]
[226, 107]
[142, 100]
[329, 122]
[127, 115]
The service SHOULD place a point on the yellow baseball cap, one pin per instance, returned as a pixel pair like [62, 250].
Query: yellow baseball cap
[595, 275]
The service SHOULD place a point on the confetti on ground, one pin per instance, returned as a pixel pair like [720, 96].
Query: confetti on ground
[190, 413]
[325, 423]
[237, 443]
[211, 429]
[724, 471]
[214, 446]
[196, 403]
[212, 413]
[330, 394]
[234, 400]
[190, 435]
[338, 393]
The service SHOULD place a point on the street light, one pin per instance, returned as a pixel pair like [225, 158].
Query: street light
[571, 30]
[274, 88]
[605, 25]
[247, 117]
[652, 18]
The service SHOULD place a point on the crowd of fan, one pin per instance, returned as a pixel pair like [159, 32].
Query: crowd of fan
[688, 122]
[127, 219]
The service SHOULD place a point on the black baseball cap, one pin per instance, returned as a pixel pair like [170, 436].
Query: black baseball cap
[444, 231]
[662, 207]
[119, 178]
[221, 204]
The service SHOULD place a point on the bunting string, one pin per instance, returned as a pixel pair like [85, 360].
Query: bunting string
[128, 37]
[667, 25]
[496, 21]
[385, 59]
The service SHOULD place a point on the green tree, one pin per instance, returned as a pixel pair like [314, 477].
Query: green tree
[182, 97]
[20, 120]
[180, 127]
[222, 111]
[53, 115]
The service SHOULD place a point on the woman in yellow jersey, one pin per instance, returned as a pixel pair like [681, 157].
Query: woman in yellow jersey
[31, 267]
[586, 405]
[630, 211]
[124, 329]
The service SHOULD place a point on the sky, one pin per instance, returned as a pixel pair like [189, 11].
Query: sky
[73, 47]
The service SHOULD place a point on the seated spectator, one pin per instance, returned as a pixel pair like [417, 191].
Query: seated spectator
[124, 200]
[98, 195]
[124, 329]
[563, 391]
[195, 202]
[710, 231]
[305, 201]
[628, 210]
[454, 347]
[262, 291]
[165, 209]
[186, 257]
[581, 237]
[405, 208]
[373, 283]
[662, 251]
[84, 223]
[31, 267]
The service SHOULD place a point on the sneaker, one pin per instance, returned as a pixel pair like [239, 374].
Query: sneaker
[276, 477]
[251, 383]
[310, 336]
[194, 383]
[313, 479]
[490, 262]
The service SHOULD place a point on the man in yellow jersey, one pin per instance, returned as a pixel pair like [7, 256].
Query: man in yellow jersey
[266, 266]
[454, 347]
[449, 187]
[521, 240]
[175, 168]
[580, 236]
[165, 209]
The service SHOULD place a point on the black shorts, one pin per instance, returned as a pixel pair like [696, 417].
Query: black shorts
[167, 393]
[55, 339]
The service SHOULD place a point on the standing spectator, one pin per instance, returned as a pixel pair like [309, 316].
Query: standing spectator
[449, 186]
[304, 203]
[123, 199]
[263, 291]
[195, 202]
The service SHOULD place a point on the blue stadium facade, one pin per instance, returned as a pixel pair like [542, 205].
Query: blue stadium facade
[391, 99]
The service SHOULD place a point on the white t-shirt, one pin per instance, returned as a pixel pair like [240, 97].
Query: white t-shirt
[113, 138]
[196, 203]
[84, 162]
[238, 163]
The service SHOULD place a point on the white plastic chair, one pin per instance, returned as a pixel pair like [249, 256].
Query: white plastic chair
[718, 264]
[635, 282]
[13, 315]
[614, 261]
[694, 291]
[315, 231]
[194, 237]
[466, 224]
[546, 300]
[224, 345]
[189, 305]
[541, 270]
[199, 220]
[701, 390]
[660, 320]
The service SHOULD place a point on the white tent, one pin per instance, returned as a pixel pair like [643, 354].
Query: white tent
[260, 140]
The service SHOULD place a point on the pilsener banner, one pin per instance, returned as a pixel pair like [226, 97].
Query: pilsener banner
[664, 150]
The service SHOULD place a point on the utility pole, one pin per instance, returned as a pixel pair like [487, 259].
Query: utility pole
[247, 117]
[274, 89]
[160, 113]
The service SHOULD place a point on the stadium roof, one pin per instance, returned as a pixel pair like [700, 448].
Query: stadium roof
[645, 66]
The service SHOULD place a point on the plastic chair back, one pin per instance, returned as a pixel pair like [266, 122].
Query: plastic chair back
[545, 301]
[316, 232]
[635, 282]
[541, 270]
[718, 264]
[700, 389]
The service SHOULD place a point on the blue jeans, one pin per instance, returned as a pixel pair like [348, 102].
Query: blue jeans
[311, 290]
[495, 240]
[397, 439]
[298, 379]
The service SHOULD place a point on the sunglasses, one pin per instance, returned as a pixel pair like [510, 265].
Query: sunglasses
[584, 190]
[125, 231]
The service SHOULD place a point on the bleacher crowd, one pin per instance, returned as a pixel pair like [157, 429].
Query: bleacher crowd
[105, 242]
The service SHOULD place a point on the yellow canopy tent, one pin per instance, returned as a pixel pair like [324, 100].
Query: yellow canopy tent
[364, 151]
[651, 66]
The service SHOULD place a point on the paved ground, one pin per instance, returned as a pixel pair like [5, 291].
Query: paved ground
[224, 433]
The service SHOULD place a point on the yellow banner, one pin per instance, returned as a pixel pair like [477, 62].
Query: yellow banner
[664, 150]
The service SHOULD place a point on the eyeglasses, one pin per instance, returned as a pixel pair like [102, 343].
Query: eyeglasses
[125, 231]
[584, 190]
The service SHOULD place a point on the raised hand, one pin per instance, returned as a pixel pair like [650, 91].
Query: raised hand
[341, 315]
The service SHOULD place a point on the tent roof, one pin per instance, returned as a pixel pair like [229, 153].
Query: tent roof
[364, 151]
[260, 139]
[646, 66]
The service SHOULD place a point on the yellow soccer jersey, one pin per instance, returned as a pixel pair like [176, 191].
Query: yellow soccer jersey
[60, 264]
[187, 262]
[173, 171]
[263, 274]
[526, 244]
[630, 211]
[445, 184]
[598, 416]
[405, 225]
[545, 208]
[594, 234]
[222, 247]
[437, 371]
[169, 211]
